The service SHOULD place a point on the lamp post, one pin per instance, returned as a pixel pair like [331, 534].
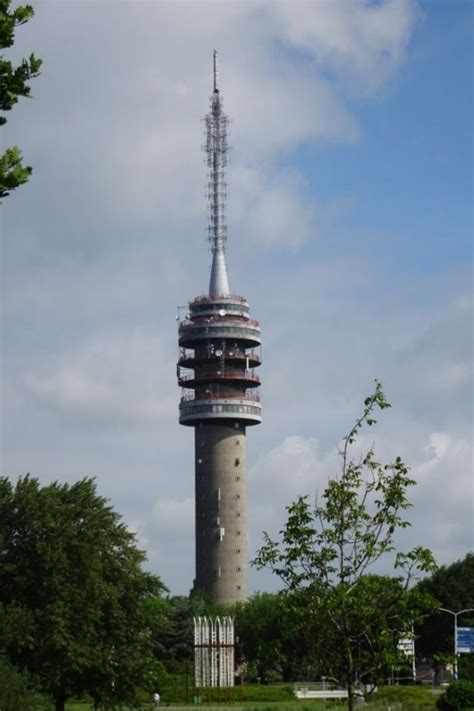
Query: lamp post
[456, 654]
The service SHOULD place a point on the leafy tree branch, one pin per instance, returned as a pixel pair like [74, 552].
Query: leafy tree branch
[14, 85]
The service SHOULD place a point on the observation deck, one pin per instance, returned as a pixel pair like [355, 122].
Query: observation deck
[220, 347]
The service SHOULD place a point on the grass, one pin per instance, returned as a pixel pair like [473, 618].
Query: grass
[397, 698]
[283, 706]
[237, 706]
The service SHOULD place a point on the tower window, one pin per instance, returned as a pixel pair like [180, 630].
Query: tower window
[237, 515]
[239, 587]
[237, 462]
[237, 478]
[237, 533]
[237, 442]
[237, 496]
[238, 569]
[237, 550]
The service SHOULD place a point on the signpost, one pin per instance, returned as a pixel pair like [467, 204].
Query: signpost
[463, 644]
[406, 648]
[465, 641]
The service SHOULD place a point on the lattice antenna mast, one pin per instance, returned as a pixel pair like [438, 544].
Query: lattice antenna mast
[216, 147]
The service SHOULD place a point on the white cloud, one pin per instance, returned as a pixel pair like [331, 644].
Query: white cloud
[132, 135]
[109, 384]
[170, 528]
[364, 40]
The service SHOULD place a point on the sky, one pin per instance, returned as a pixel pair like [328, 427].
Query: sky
[350, 233]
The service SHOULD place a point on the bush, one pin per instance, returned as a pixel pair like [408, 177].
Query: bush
[16, 692]
[262, 692]
[412, 697]
[459, 696]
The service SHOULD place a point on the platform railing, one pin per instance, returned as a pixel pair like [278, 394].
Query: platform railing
[220, 375]
[248, 397]
[229, 320]
[192, 360]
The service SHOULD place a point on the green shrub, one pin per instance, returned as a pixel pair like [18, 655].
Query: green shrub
[412, 697]
[459, 696]
[262, 692]
[16, 692]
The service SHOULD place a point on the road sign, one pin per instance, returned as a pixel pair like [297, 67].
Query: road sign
[406, 646]
[465, 640]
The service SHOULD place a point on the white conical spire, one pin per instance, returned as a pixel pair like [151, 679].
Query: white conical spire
[216, 148]
[219, 281]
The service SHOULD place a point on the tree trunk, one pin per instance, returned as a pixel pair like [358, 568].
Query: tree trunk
[350, 677]
[350, 696]
[60, 702]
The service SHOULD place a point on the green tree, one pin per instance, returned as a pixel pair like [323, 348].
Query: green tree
[13, 85]
[76, 608]
[326, 550]
[174, 641]
[268, 642]
[260, 629]
[453, 587]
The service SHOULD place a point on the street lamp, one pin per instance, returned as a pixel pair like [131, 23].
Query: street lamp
[456, 654]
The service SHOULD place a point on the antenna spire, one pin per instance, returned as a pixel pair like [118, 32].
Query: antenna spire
[216, 148]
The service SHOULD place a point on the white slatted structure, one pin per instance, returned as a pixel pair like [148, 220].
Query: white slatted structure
[214, 652]
[197, 650]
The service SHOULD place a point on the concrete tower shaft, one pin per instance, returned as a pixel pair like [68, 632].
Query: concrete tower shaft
[219, 352]
[221, 511]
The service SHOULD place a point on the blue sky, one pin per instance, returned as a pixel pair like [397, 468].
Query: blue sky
[410, 174]
[350, 232]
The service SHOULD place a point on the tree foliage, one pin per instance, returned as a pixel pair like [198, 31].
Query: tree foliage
[13, 85]
[174, 640]
[261, 630]
[453, 588]
[326, 550]
[76, 607]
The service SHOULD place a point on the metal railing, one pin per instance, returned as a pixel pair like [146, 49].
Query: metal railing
[231, 297]
[220, 375]
[235, 397]
[228, 320]
[252, 357]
